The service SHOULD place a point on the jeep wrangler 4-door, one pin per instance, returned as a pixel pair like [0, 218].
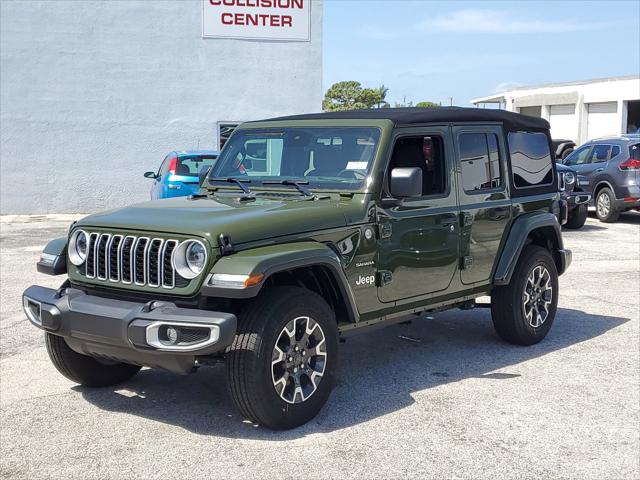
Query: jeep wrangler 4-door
[309, 228]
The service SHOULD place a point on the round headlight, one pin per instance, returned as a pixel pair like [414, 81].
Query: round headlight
[78, 246]
[569, 177]
[189, 259]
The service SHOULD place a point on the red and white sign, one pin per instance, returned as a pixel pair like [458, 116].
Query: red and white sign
[257, 19]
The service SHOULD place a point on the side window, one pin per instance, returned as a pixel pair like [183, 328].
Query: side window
[615, 151]
[600, 153]
[531, 160]
[578, 157]
[480, 161]
[426, 153]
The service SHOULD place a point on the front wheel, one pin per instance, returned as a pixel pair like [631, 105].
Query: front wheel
[280, 367]
[605, 206]
[85, 370]
[577, 217]
[524, 310]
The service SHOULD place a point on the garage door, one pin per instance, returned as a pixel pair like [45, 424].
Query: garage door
[564, 121]
[602, 120]
[531, 111]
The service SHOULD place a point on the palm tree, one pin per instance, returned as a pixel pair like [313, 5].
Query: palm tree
[381, 93]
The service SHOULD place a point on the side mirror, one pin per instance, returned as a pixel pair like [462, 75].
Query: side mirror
[153, 175]
[203, 173]
[406, 182]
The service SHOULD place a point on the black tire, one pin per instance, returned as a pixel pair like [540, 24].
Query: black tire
[605, 215]
[249, 358]
[507, 309]
[566, 152]
[83, 369]
[577, 217]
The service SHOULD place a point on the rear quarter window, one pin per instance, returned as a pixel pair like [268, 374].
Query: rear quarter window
[531, 160]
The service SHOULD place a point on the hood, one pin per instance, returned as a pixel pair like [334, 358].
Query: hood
[243, 221]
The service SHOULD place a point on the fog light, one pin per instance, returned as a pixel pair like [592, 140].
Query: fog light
[172, 335]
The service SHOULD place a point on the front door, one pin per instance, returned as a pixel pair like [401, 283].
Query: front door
[484, 199]
[418, 249]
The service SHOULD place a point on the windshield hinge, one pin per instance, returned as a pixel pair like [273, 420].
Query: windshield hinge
[226, 247]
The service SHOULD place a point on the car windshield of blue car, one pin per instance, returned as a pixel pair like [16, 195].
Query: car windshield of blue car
[328, 158]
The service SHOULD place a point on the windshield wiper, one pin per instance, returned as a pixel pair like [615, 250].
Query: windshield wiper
[237, 181]
[299, 184]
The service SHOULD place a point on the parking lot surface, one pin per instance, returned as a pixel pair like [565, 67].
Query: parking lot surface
[441, 397]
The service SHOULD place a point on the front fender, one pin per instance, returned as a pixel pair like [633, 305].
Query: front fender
[53, 260]
[278, 258]
[517, 238]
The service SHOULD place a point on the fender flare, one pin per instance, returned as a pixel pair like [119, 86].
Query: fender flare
[599, 182]
[517, 239]
[273, 259]
[56, 261]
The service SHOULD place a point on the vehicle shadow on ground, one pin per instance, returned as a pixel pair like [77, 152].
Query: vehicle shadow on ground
[630, 218]
[378, 373]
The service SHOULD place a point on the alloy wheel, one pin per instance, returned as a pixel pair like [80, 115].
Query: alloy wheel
[537, 296]
[603, 205]
[298, 360]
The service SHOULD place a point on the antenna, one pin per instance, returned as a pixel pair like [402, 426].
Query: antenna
[198, 147]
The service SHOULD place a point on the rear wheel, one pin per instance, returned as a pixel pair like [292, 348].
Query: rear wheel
[605, 206]
[281, 364]
[577, 217]
[524, 310]
[85, 370]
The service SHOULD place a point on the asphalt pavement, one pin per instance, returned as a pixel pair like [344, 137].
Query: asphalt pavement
[442, 397]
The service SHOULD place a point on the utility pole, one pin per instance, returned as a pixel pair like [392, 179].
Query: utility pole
[451, 101]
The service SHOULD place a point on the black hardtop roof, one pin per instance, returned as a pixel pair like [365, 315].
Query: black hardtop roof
[412, 115]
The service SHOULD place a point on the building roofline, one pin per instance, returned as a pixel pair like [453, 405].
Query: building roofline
[498, 97]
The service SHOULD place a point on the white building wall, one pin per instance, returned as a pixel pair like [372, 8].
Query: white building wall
[583, 98]
[95, 93]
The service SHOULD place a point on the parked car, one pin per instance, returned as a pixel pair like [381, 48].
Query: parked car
[178, 173]
[308, 229]
[609, 169]
[563, 148]
[577, 200]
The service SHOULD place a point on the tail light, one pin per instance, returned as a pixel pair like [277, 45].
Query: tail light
[631, 164]
[173, 164]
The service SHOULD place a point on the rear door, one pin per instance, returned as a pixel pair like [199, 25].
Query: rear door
[483, 194]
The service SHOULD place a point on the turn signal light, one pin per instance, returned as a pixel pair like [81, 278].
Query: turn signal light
[227, 280]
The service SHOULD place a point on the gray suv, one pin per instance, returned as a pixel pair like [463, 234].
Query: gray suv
[609, 169]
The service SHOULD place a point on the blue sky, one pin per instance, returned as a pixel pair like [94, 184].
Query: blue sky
[430, 50]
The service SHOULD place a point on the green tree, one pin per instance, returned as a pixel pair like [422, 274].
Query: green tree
[427, 104]
[349, 95]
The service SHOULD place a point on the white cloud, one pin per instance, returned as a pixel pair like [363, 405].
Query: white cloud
[501, 22]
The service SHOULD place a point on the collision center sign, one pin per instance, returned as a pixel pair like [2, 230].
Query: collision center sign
[257, 19]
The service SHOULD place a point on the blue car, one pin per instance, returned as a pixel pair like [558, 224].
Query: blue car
[178, 174]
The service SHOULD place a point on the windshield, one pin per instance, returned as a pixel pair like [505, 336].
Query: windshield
[325, 157]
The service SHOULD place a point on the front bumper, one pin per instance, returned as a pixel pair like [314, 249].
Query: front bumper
[577, 198]
[130, 332]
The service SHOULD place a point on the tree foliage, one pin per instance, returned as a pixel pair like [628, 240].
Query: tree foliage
[427, 104]
[350, 95]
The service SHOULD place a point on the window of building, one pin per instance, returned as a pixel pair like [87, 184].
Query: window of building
[531, 160]
[480, 161]
[426, 153]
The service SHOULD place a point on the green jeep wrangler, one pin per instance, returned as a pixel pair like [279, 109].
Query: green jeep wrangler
[308, 229]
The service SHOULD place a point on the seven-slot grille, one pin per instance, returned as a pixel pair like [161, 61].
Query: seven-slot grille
[128, 259]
